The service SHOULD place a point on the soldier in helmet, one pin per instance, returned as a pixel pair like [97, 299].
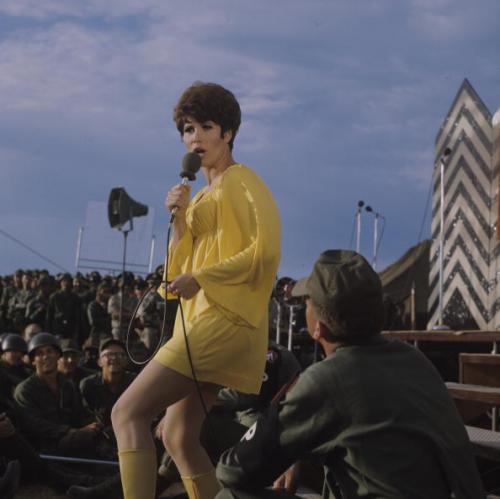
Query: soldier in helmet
[36, 309]
[69, 362]
[13, 349]
[64, 311]
[90, 354]
[52, 412]
[97, 314]
[149, 314]
[8, 292]
[14, 446]
[19, 302]
[121, 306]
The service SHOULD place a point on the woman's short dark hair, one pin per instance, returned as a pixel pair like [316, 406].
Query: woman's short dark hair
[209, 102]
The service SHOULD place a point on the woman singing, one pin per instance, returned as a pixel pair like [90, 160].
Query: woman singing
[224, 256]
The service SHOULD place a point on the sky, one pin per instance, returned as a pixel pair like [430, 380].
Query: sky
[341, 102]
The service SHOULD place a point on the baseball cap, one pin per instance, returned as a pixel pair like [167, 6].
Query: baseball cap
[343, 282]
[110, 341]
[69, 345]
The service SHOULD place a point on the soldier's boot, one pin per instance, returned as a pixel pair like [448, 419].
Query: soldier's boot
[9, 481]
[110, 488]
[203, 486]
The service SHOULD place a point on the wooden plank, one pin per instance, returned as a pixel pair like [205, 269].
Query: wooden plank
[475, 393]
[480, 358]
[486, 443]
[479, 369]
[445, 336]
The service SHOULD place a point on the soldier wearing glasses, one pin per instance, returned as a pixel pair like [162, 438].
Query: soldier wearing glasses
[101, 390]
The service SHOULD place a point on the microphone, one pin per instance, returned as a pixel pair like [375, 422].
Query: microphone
[191, 163]
[445, 155]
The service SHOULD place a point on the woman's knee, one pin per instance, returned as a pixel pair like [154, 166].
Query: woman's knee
[128, 410]
[180, 440]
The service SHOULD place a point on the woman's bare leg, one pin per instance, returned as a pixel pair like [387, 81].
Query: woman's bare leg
[182, 428]
[155, 388]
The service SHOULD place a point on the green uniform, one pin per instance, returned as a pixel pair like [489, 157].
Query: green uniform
[150, 314]
[36, 310]
[63, 315]
[17, 373]
[114, 303]
[7, 293]
[50, 420]
[376, 415]
[79, 374]
[99, 399]
[99, 321]
[18, 304]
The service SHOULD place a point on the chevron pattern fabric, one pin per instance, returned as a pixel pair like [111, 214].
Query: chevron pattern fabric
[470, 214]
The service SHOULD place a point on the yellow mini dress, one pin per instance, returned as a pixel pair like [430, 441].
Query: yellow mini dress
[232, 247]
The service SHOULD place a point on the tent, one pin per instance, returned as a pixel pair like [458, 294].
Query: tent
[412, 269]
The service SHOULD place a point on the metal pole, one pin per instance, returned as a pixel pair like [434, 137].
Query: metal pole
[413, 312]
[375, 241]
[440, 325]
[151, 254]
[358, 230]
[65, 459]
[278, 321]
[290, 327]
[441, 243]
[78, 247]
[125, 235]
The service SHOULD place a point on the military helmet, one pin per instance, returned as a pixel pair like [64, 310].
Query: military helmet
[14, 342]
[42, 340]
[2, 336]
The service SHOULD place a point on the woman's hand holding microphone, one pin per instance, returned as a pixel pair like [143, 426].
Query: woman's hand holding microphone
[177, 200]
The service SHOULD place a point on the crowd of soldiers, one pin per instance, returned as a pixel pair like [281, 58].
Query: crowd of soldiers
[81, 307]
[64, 363]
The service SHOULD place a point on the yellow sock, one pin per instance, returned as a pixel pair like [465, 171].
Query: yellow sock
[203, 486]
[138, 473]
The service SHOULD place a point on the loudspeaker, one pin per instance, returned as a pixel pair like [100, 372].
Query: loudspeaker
[122, 208]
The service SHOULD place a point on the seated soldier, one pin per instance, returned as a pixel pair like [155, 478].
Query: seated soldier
[31, 330]
[101, 390]
[13, 349]
[69, 362]
[221, 430]
[90, 354]
[234, 411]
[375, 412]
[97, 315]
[282, 367]
[50, 406]
[13, 446]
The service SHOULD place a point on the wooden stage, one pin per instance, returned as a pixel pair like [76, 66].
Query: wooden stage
[416, 337]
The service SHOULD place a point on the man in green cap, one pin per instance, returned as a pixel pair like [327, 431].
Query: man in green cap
[374, 412]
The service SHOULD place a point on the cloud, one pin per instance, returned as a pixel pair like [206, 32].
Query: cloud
[449, 21]
[338, 103]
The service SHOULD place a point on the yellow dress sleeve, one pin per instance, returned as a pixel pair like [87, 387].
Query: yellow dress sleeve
[248, 238]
